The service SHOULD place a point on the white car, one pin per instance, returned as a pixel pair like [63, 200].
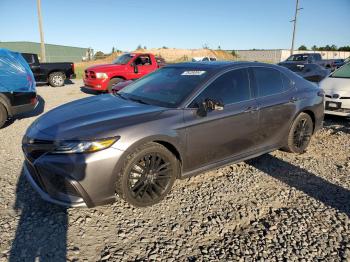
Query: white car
[337, 91]
[204, 58]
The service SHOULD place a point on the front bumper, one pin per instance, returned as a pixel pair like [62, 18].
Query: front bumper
[74, 180]
[96, 84]
[343, 108]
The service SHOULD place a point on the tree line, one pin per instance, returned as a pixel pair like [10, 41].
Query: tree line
[325, 48]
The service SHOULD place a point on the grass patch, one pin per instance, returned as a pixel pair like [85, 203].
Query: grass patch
[79, 71]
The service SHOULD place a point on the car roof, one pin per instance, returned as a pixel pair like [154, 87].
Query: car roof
[217, 65]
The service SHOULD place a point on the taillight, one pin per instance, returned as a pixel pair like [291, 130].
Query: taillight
[34, 100]
[73, 68]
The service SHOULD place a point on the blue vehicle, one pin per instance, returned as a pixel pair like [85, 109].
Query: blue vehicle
[17, 86]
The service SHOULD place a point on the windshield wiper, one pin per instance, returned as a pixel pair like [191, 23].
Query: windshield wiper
[120, 95]
[138, 100]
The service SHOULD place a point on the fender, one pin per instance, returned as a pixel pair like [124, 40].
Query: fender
[156, 139]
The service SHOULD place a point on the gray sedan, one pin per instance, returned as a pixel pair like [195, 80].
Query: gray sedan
[179, 121]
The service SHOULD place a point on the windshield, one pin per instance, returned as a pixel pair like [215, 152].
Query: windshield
[298, 58]
[123, 59]
[166, 87]
[343, 72]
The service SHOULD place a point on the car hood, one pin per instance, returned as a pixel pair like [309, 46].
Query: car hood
[91, 118]
[106, 68]
[332, 85]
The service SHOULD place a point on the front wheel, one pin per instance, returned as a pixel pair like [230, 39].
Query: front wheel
[56, 79]
[300, 134]
[147, 176]
[113, 82]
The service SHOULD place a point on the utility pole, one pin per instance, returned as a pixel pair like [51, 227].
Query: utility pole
[295, 24]
[42, 44]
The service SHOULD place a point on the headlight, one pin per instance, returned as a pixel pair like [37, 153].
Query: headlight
[69, 147]
[101, 75]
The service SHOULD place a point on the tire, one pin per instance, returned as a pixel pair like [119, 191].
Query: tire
[112, 82]
[300, 134]
[139, 183]
[3, 115]
[56, 79]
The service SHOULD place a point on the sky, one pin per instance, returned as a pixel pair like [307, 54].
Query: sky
[125, 24]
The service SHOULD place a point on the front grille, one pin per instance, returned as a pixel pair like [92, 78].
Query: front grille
[33, 148]
[90, 74]
[61, 184]
[36, 177]
[50, 183]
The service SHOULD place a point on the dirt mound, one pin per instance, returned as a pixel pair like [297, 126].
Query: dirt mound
[180, 55]
[107, 60]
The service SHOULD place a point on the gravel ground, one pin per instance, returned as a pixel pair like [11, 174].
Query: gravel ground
[278, 207]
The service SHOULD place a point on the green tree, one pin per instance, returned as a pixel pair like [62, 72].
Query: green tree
[302, 47]
[99, 55]
[314, 48]
[233, 52]
[334, 48]
[139, 47]
[344, 48]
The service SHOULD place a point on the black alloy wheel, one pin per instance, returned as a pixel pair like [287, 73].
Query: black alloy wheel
[148, 175]
[300, 134]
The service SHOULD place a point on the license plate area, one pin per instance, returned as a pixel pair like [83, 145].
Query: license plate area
[333, 105]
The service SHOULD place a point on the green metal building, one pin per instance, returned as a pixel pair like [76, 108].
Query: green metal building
[54, 53]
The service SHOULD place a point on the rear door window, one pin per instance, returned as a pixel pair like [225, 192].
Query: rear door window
[29, 58]
[269, 81]
[231, 87]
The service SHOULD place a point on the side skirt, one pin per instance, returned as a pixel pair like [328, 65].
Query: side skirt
[229, 160]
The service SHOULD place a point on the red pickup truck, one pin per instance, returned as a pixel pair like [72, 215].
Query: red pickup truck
[128, 66]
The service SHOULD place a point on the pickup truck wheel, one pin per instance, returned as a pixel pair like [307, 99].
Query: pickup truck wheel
[56, 79]
[112, 82]
[148, 175]
[3, 115]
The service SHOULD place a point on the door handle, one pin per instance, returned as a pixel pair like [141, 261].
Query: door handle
[251, 109]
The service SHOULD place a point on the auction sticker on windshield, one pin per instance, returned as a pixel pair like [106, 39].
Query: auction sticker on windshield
[193, 73]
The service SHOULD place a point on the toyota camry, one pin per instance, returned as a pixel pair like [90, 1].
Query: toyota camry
[177, 122]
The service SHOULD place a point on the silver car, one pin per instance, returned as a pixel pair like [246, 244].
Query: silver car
[179, 121]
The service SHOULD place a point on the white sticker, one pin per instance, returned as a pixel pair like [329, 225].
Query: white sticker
[193, 73]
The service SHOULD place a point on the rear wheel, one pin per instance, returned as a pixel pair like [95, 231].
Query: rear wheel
[147, 176]
[56, 79]
[3, 115]
[300, 134]
[112, 82]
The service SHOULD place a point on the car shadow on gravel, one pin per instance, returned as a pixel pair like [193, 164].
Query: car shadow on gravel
[337, 124]
[89, 91]
[41, 233]
[314, 186]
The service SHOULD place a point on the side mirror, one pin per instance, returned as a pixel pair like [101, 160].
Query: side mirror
[209, 105]
[136, 69]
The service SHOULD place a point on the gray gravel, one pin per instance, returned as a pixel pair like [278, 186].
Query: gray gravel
[278, 207]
